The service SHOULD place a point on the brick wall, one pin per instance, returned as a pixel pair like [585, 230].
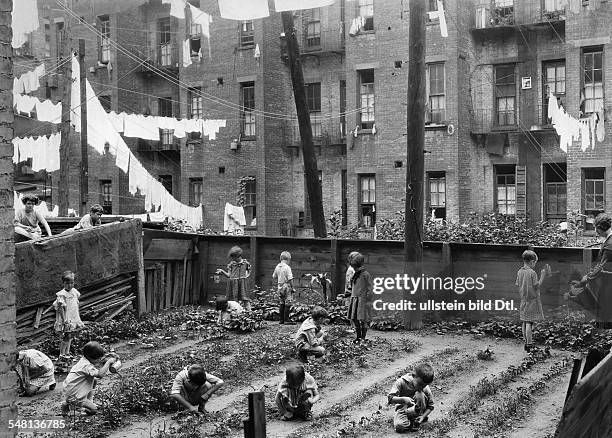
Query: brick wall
[8, 381]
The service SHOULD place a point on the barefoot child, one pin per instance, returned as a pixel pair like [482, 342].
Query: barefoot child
[193, 386]
[412, 398]
[284, 279]
[81, 380]
[309, 336]
[529, 292]
[360, 303]
[226, 309]
[238, 270]
[296, 394]
[67, 317]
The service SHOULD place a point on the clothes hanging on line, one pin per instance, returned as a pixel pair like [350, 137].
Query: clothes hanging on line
[47, 111]
[24, 103]
[600, 130]
[357, 24]
[439, 14]
[243, 11]
[201, 18]
[296, 5]
[234, 219]
[44, 151]
[177, 8]
[187, 53]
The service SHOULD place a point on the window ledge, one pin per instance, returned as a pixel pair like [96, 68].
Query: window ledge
[249, 47]
[436, 126]
[248, 137]
[365, 131]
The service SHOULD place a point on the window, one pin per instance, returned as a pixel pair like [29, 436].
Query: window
[555, 192]
[166, 181]
[505, 94]
[165, 41]
[592, 96]
[593, 201]
[506, 189]
[250, 202]
[195, 38]
[367, 200]
[165, 107]
[366, 94]
[554, 5]
[247, 36]
[503, 14]
[312, 19]
[313, 98]
[366, 10]
[432, 6]
[247, 108]
[105, 101]
[554, 81]
[59, 38]
[47, 38]
[437, 194]
[106, 194]
[196, 110]
[435, 91]
[167, 137]
[105, 34]
[195, 191]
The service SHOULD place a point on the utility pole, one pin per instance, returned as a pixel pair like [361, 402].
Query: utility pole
[413, 232]
[315, 196]
[84, 157]
[66, 81]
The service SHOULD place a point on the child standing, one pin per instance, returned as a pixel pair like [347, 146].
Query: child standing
[67, 317]
[284, 278]
[412, 398]
[193, 386]
[348, 286]
[81, 379]
[529, 292]
[360, 304]
[238, 270]
[226, 309]
[308, 338]
[296, 394]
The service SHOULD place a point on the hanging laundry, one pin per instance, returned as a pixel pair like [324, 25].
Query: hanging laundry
[211, 127]
[296, 5]
[356, 25]
[187, 53]
[123, 157]
[600, 130]
[243, 11]
[585, 134]
[201, 18]
[18, 86]
[256, 52]
[24, 103]
[116, 120]
[592, 122]
[53, 152]
[234, 220]
[24, 20]
[439, 14]
[136, 125]
[47, 111]
[177, 8]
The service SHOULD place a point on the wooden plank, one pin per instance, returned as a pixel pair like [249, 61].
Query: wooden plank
[257, 414]
[141, 301]
[163, 249]
[187, 296]
[184, 281]
[168, 290]
[195, 275]
[203, 247]
[175, 284]
[38, 316]
[578, 363]
[335, 270]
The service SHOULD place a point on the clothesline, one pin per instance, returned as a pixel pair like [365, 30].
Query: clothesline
[44, 151]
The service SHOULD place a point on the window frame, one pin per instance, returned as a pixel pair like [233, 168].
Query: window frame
[196, 103]
[105, 36]
[195, 192]
[504, 172]
[438, 179]
[195, 35]
[556, 65]
[439, 96]
[505, 92]
[598, 102]
[248, 125]
[365, 9]
[370, 202]
[106, 195]
[313, 99]
[367, 90]
[250, 202]
[312, 20]
[246, 34]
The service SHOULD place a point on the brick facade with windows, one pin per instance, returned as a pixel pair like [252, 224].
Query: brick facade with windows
[489, 145]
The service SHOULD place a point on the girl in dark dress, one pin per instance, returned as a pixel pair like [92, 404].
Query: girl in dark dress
[360, 302]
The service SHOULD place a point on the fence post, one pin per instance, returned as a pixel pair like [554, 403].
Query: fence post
[203, 264]
[141, 301]
[255, 426]
[254, 260]
[447, 259]
[335, 268]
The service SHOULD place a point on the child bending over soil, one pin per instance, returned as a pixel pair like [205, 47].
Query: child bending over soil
[226, 309]
[193, 386]
[309, 336]
[81, 379]
[296, 394]
[412, 398]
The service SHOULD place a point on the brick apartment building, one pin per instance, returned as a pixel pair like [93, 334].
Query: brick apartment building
[488, 141]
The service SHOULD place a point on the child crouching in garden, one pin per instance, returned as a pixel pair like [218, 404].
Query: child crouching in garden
[308, 337]
[226, 309]
[238, 270]
[529, 291]
[412, 398]
[193, 386]
[81, 380]
[296, 394]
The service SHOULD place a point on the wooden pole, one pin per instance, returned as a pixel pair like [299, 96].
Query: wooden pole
[315, 196]
[66, 81]
[84, 153]
[413, 232]
[255, 426]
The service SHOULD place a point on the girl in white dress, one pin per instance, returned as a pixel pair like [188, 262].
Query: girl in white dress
[67, 317]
